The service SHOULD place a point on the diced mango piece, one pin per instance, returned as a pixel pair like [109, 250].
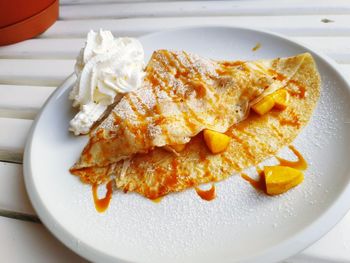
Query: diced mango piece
[280, 179]
[178, 147]
[175, 147]
[217, 142]
[264, 105]
[281, 98]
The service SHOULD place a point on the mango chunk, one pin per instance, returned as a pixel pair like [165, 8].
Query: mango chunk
[178, 147]
[217, 142]
[279, 179]
[175, 147]
[281, 98]
[264, 105]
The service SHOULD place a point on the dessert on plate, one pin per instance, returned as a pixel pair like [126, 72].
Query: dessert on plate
[193, 120]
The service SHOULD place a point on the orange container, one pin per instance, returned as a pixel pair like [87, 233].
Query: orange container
[23, 19]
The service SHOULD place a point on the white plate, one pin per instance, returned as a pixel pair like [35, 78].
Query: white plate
[240, 224]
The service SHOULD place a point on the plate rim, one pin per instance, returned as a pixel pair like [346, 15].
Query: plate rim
[289, 247]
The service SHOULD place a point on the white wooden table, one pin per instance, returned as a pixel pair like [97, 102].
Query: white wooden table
[31, 70]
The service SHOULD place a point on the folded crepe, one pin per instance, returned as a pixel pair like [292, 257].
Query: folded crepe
[182, 95]
[217, 96]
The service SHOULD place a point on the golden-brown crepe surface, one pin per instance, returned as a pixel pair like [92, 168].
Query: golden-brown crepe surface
[182, 95]
[253, 140]
[160, 172]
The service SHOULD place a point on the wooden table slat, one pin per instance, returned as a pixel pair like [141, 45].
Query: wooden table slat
[102, 2]
[337, 48]
[310, 25]
[22, 101]
[51, 72]
[13, 196]
[57, 48]
[203, 8]
[30, 71]
[13, 138]
[35, 72]
[31, 242]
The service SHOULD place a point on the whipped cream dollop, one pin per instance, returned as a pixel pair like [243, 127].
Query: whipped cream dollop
[105, 67]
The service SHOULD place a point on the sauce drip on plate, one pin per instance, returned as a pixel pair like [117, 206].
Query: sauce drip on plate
[256, 47]
[157, 200]
[102, 204]
[300, 164]
[257, 184]
[260, 183]
[206, 195]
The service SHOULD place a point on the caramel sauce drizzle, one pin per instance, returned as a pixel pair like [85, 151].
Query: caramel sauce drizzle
[183, 77]
[223, 71]
[155, 82]
[185, 73]
[210, 194]
[182, 70]
[244, 145]
[206, 195]
[172, 180]
[249, 134]
[170, 60]
[301, 89]
[156, 108]
[232, 63]
[157, 200]
[206, 168]
[141, 133]
[205, 161]
[102, 204]
[260, 184]
[139, 116]
[256, 47]
[144, 107]
[226, 67]
[200, 88]
[278, 75]
[300, 164]
[196, 81]
[197, 74]
[276, 130]
[294, 121]
[117, 119]
[257, 184]
[262, 69]
[234, 164]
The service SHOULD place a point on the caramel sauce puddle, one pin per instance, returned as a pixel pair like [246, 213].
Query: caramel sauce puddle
[101, 204]
[206, 195]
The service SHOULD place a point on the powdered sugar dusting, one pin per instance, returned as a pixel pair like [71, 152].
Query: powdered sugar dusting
[202, 65]
[154, 131]
[326, 118]
[160, 86]
[182, 225]
[148, 99]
